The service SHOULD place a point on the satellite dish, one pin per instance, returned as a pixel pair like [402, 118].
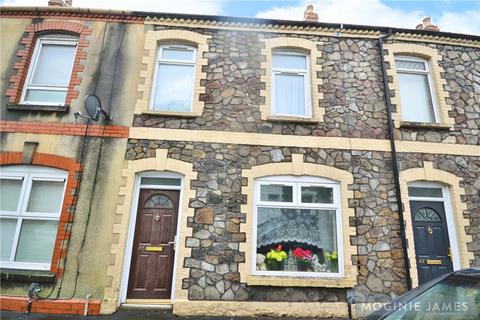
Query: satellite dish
[93, 107]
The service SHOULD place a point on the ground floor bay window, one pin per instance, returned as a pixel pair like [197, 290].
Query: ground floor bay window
[31, 199]
[297, 226]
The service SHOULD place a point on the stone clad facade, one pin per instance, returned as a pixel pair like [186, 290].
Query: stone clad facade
[222, 151]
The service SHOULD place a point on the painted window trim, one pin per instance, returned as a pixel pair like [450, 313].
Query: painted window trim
[297, 167]
[153, 40]
[293, 44]
[160, 61]
[47, 39]
[438, 92]
[428, 174]
[32, 33]
[297, 183]
[305, 73]
[431, 89]
[28, 174]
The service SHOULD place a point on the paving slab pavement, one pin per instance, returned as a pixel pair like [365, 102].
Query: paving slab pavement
[137, 315]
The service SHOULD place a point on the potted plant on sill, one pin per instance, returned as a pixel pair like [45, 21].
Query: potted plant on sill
[304, 259]
[332, 260]
[275, 258]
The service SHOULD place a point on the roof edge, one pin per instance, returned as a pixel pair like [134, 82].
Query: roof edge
[4, 10]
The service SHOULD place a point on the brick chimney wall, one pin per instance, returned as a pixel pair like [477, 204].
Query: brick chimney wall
[309, 15]
[427, 25]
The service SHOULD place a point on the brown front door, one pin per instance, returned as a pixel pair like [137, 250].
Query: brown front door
[151, 269]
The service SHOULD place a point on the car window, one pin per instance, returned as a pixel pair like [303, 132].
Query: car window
[456, 297]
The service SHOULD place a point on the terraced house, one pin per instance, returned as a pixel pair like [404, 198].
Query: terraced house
[245, 166]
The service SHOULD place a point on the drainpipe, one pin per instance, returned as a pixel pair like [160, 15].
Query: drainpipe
[395, 162]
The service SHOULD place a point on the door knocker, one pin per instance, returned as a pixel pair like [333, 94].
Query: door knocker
[429, 230]
[157, 217]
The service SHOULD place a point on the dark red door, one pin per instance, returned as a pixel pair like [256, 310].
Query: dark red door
[153, 254]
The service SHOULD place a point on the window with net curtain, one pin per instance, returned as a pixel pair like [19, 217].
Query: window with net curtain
[174, 78]
[416, 90]
[31, 199]
[297, 226]
[290, 84]
[50, 70]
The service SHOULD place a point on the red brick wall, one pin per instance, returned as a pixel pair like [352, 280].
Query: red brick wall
[58, 128]
[66, 217]
[72, 306]
[17, 81]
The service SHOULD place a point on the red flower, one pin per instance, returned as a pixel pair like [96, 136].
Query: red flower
[299, 253]
[279, 247]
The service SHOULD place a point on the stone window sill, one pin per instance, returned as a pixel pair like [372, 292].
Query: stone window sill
[35, 107]
[291, 119]
[171, 114]
[425, 125]
[27, 275]
[274, 281]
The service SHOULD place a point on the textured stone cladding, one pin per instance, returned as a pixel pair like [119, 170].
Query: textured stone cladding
[353, 95]
[462, 74]
[215, 242]
[215, 258]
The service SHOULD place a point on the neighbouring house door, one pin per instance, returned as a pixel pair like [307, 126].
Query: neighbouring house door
[153, 254]
[432, 245]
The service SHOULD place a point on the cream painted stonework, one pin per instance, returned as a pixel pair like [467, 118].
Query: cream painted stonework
[152, 41]
[428, 173]
[297, 168]
[299, 44]
[433, 58]
[123, 215]
[264, 139]
[260, 308]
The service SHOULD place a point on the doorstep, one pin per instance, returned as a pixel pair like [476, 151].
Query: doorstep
[157, 304]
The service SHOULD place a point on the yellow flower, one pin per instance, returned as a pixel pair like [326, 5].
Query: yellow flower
[277, 255]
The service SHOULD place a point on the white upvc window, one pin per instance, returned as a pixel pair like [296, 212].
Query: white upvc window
[416, 90]
[31, 200]
[290, 84]
[297, 227]
[173, 86]
[50, 70]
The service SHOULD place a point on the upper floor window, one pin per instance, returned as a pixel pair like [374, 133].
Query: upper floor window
[290, 84]
[297, 226]
[31, 200]
[174, 78]
[416, 90]
[50, 70]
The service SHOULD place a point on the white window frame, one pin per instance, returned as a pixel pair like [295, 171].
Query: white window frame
[159, 61]
[447, 204]
[431, 89]
[298, 182]
[28, 174]
[56, 40]
[298, 72]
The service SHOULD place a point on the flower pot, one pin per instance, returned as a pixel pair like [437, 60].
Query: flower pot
[332, 265]
[303, 265]
[273, 264]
